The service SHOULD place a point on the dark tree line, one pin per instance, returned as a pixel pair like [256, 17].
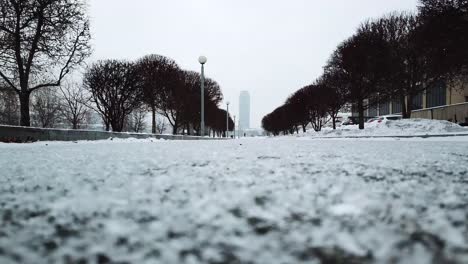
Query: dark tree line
[315, 104]
[119, 88]
[393, 58]
[42, 41]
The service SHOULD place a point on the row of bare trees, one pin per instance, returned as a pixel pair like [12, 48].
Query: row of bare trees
[43, 41]
[393, 58]
[315, 104]
[49, 107]
[120, 90]
[123, 93]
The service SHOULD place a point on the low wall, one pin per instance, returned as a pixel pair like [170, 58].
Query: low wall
[27, 134]
[457, 112]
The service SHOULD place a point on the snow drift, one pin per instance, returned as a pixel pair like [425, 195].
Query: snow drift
[406, 127]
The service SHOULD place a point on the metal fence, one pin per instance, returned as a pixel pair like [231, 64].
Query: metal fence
[457, 113]
[29, 134]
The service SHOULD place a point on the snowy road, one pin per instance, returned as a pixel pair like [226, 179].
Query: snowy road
[244, 201]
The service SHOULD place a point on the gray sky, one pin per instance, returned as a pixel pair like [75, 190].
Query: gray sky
[269, 47]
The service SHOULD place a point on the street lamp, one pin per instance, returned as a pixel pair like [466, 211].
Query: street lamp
[227, 118]
[202, 60]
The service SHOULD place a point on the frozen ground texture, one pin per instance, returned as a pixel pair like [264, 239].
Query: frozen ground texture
[406, 127]
[244, 201]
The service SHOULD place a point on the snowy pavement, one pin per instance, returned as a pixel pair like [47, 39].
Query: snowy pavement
[241, 201]
[392, 128]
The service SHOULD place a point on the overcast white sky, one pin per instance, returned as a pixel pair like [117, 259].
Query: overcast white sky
[269, 47]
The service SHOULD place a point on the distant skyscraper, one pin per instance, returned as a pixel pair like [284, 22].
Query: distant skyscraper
[244, 110]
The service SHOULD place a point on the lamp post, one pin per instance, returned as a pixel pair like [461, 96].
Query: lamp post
[227, 119]
[202, 60]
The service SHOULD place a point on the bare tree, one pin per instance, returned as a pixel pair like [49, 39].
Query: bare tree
[172, 101]
[408, 61]
[41, 41]
[333, 94]
[181, 105]
[45, 108]
[317, 105]
[362, 63]
[443, 31]
[73, 105]
[9, 107]
[136, 121]
[160, 76]
[297, 106]
[116, 91]
[213, 96]
[161, 126]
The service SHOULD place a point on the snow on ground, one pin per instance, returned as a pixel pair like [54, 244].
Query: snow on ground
[240, 201]
[405, 127]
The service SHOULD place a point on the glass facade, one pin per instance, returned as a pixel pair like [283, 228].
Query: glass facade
[372, 111]
[354, 110]
[384, 109]
[396, 107]
[436, 96]
[417, 102]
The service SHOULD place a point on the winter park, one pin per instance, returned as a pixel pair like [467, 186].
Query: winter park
[233, 131]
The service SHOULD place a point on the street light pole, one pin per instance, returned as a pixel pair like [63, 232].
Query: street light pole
[202, 60]
[227, 119]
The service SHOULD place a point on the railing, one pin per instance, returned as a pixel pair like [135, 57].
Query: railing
[457, 113]
[29, 134]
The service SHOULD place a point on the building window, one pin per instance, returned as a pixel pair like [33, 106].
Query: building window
[354, 110]
[384, 109]
[373, 111]
[417, 102]
[396, 107]
[466, 99]
[436, 96]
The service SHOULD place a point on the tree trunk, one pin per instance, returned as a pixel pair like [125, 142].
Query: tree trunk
[24, 106]
[404, 113]
[334, 122]
[304, 129]
[409, 108]
[361, 114]
[116, 126]
[174, 129]
[153, 114]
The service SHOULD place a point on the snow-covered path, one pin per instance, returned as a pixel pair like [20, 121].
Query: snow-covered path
[242, 201]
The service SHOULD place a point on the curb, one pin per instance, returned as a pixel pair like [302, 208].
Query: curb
[409, 136]
[31, 134]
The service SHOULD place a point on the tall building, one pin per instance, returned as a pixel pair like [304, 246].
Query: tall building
[244, 110]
